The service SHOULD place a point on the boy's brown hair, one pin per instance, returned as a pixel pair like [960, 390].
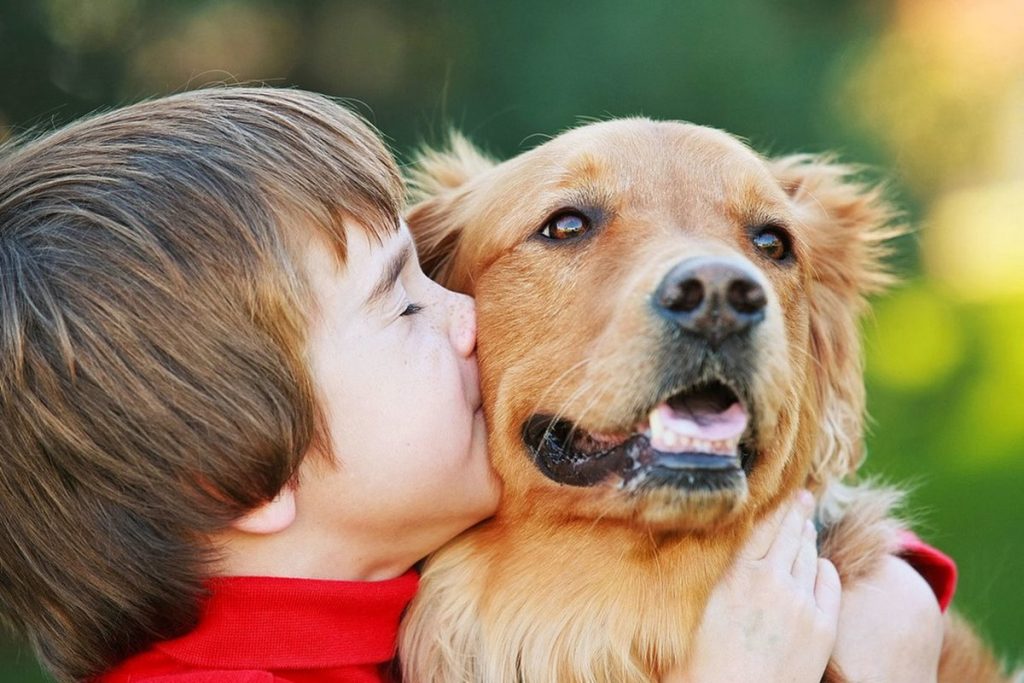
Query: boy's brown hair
[153, 385]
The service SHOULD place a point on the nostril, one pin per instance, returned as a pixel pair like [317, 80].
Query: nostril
[746, 296]
[711, 298]
[683, 297]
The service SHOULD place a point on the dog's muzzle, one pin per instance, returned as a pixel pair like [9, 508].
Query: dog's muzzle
[698, 431]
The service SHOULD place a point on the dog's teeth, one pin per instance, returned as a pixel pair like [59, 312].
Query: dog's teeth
[664, 437]
[657, 425]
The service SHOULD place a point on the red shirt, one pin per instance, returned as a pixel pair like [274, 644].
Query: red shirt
[272, 630]
[937, 568]
[269, 630]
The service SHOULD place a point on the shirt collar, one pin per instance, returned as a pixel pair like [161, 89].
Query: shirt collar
[281, 623]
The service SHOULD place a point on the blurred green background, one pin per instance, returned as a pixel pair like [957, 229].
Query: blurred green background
[928, 92]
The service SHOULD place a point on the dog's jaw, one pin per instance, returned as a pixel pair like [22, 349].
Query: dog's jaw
[665, 492]
[681, 466]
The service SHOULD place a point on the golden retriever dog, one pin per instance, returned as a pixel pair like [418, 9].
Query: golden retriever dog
[668, 348]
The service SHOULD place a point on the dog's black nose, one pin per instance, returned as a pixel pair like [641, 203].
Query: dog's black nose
[711, 298]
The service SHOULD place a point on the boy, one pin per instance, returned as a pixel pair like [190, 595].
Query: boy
[161, 377]
[234, 412]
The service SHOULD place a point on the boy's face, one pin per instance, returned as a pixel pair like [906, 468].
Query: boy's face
[393, 359]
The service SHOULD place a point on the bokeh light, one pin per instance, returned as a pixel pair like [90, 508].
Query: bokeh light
[974, 242]
[222, 41]
[917, 341]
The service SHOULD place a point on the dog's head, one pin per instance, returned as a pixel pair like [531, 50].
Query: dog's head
[668, 321]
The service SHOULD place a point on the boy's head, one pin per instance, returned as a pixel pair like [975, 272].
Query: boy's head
[154, 378]
[392, 357]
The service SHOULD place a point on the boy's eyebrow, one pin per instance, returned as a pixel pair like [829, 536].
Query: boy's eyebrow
[389, 276]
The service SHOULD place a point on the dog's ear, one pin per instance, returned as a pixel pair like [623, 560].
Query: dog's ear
[844, 226]
[438, 182]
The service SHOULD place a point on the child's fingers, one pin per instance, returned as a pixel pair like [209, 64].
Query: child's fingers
[787, 541]
[805, 567]
[765, 532]
[827, 590]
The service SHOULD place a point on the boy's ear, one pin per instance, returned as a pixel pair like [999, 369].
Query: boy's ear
[271, 517]
[843, 227]
[440, 185]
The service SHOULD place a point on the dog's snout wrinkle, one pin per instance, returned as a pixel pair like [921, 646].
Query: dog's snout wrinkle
[713, 299]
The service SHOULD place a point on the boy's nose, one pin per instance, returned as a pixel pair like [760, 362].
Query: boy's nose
[463, 324]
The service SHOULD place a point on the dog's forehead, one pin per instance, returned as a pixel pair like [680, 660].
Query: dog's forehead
[657, 159]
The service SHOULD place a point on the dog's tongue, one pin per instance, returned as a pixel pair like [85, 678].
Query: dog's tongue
[701, 422]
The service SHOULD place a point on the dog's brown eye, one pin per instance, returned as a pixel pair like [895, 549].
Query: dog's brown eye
[773, 243]
[566, 226]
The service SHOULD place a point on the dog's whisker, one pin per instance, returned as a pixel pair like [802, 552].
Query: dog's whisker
[556, 382]
[567, 403]
[582, 416]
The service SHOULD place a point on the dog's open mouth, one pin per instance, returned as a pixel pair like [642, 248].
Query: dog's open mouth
[695, 438]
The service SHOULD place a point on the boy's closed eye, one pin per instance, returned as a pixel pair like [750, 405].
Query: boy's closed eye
[411, 309]
[386, 284]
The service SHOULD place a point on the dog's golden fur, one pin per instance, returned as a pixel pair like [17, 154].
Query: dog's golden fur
[596, 583]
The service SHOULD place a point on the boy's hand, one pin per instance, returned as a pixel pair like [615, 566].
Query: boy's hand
[890, 627]
[774, 615]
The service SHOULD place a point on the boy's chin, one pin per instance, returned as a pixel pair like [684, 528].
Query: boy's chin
[479, 503]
